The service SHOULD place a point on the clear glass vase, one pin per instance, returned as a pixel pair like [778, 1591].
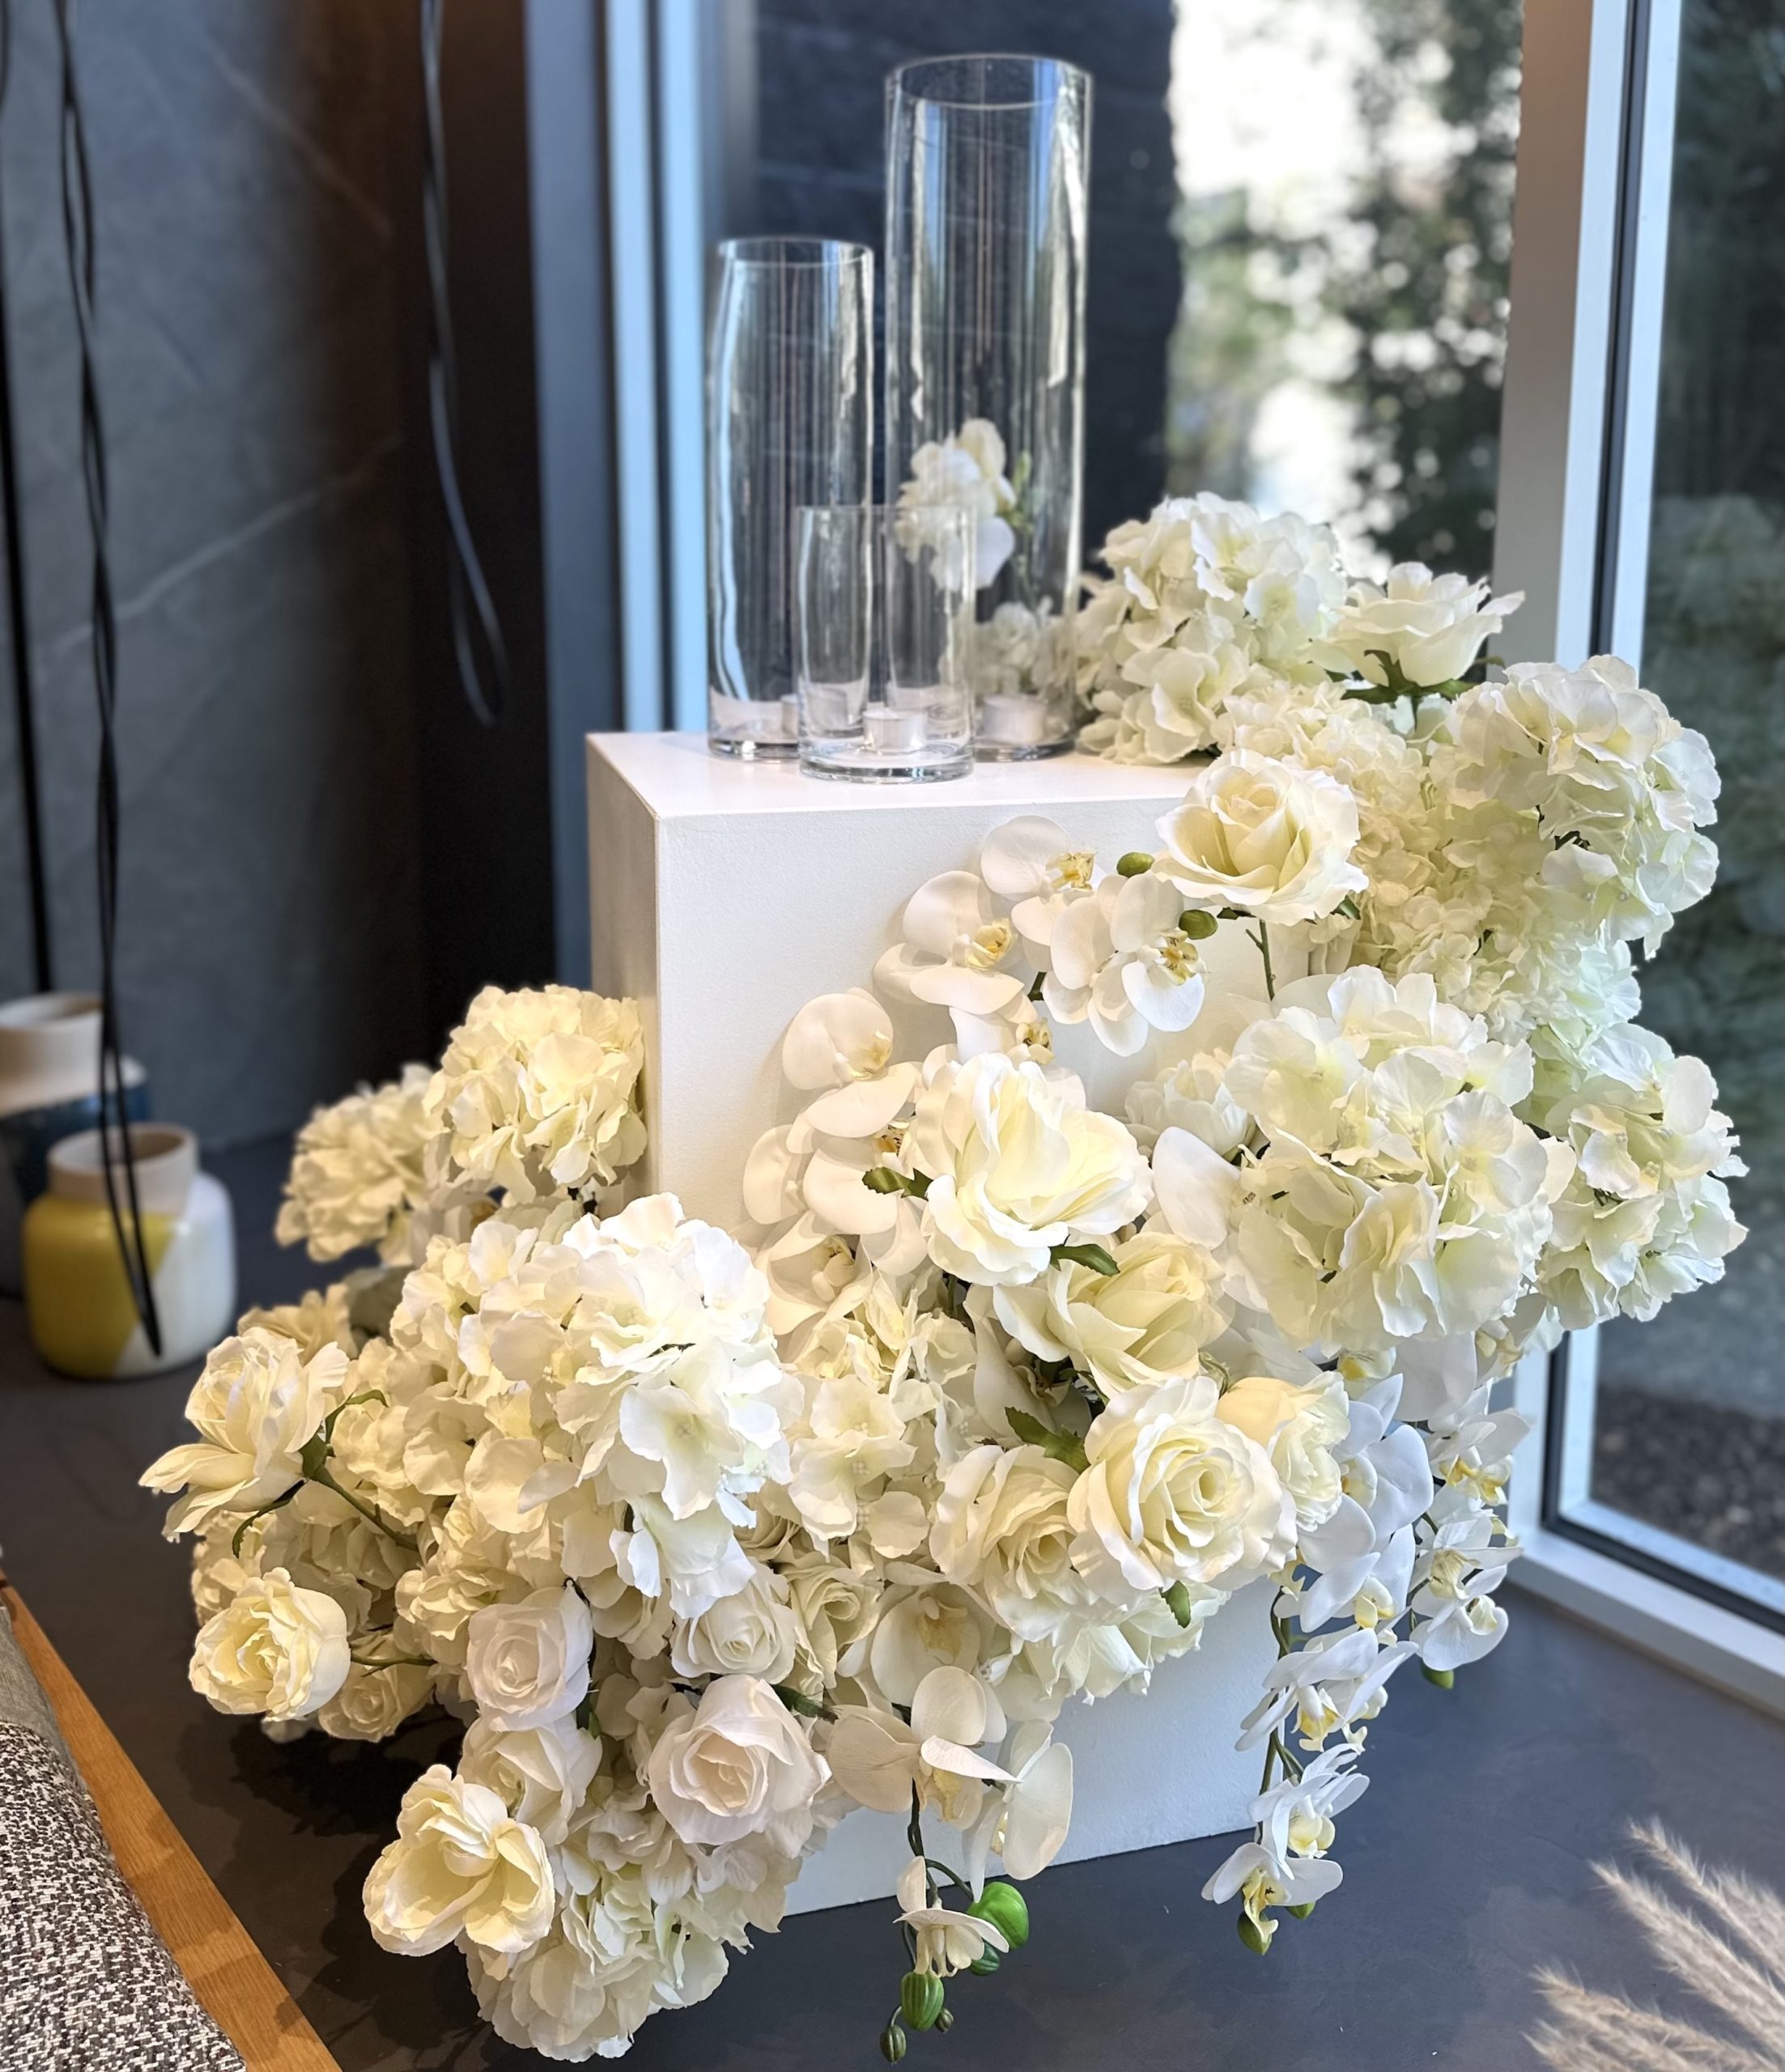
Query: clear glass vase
[883, 627]
[790, 422]
[986, 169]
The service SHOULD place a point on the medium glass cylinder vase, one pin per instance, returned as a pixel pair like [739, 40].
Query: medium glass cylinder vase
[986, 169]
[790, 422]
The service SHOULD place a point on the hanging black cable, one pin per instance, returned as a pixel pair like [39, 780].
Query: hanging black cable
[117, 1154]
[477, 645]
[23, 677]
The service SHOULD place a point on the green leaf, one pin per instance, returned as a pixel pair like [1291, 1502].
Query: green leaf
[797, 1702]
[1056, 1445]
[1177, 1596]
[1093, 1256]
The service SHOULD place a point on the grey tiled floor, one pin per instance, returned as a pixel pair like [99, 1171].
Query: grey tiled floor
[1467, 1865]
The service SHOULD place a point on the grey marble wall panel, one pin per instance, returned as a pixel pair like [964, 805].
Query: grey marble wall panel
[248, 321]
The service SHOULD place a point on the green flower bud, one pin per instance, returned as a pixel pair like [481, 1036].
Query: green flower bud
[892, 2042]
[1444, 1678]
[1197, 923]
[1136, 863]
[1302, 1911]
[921, 1998]
[944, 2022]
[985, 1963]
[1255, 1938]
[1004, 1907]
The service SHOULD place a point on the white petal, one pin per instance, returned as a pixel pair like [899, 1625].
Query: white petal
[864, 1106]
[1015, 859]
[834, 1039]
[949, 985]
[950, 1704]
[1041, 1812]
[949, 906]
[1195, 1187]
[949, 1756]
[771, 1179]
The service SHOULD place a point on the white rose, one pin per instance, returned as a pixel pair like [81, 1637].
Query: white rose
[459, 1867]
[1172, 1494]
[528, 1663]
[374, 1702]
[752, 1633]
[541, 1775]
[1430, 627]
[1299, 1427]
[1146, 1321]
[1002, 1528]
[737, 1765]
[256, 1404]
[1018, 1164]
[273, 1648]
[1263, 836]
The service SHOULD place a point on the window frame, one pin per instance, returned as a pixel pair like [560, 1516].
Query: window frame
[1589, 262]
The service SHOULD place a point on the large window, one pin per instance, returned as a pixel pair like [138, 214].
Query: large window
[1643, 503]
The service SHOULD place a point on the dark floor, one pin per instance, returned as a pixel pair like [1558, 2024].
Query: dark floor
[1466, 1866]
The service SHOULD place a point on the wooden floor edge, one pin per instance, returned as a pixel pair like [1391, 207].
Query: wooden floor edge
[230, 1979]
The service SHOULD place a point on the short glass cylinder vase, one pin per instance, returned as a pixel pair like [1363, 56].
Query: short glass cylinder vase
[790, 422]
[986, 171]
[883, 629]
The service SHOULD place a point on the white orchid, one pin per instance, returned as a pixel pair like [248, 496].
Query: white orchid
[1121, 960]
[957, 942]
[947, 1940]
[880, 1759]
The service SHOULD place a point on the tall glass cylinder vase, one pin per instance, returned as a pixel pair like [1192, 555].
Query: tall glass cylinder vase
[986, 168]
[790, 422]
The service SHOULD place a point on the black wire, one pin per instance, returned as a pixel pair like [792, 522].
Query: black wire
[478, 648]
[23, 683]
[77, 231]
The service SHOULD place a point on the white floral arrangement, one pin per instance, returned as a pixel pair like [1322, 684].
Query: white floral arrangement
[710, 1538]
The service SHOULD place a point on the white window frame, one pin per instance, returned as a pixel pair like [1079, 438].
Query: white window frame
[1589, 253]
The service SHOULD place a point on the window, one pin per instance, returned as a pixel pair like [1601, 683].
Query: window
[1646, 475]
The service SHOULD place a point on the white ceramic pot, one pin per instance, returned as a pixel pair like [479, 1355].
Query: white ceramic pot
[49, 1046]
[78, 1299]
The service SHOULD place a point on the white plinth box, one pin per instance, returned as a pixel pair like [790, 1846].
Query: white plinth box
[726, 895]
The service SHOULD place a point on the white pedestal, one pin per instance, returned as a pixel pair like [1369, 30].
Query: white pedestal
[724, 896]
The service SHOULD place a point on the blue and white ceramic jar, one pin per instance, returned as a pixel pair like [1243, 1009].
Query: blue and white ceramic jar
[50, 1045]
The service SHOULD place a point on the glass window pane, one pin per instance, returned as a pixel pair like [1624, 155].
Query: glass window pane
[1300, 228]
[1691, 1407]
[1346, 168]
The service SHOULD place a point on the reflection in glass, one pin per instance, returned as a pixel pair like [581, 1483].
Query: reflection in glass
[1691, 1408]
[1346, 171]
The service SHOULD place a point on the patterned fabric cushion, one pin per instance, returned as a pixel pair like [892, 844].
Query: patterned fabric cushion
[85, 1981]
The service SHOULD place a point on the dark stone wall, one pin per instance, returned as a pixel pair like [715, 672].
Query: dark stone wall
[246, 229]
[822, 65]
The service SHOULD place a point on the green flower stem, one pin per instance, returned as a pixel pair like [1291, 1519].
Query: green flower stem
[1263, 941]
[369, 1512]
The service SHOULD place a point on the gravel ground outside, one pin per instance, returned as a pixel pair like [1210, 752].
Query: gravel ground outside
[1714, 1475]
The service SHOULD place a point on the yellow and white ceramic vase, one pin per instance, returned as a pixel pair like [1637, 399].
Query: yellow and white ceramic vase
[77, 1298]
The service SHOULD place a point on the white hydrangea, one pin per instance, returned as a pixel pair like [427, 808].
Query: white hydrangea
[357, 1171]
[537, 1092]
[1646, 1214]
[1204, 598]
